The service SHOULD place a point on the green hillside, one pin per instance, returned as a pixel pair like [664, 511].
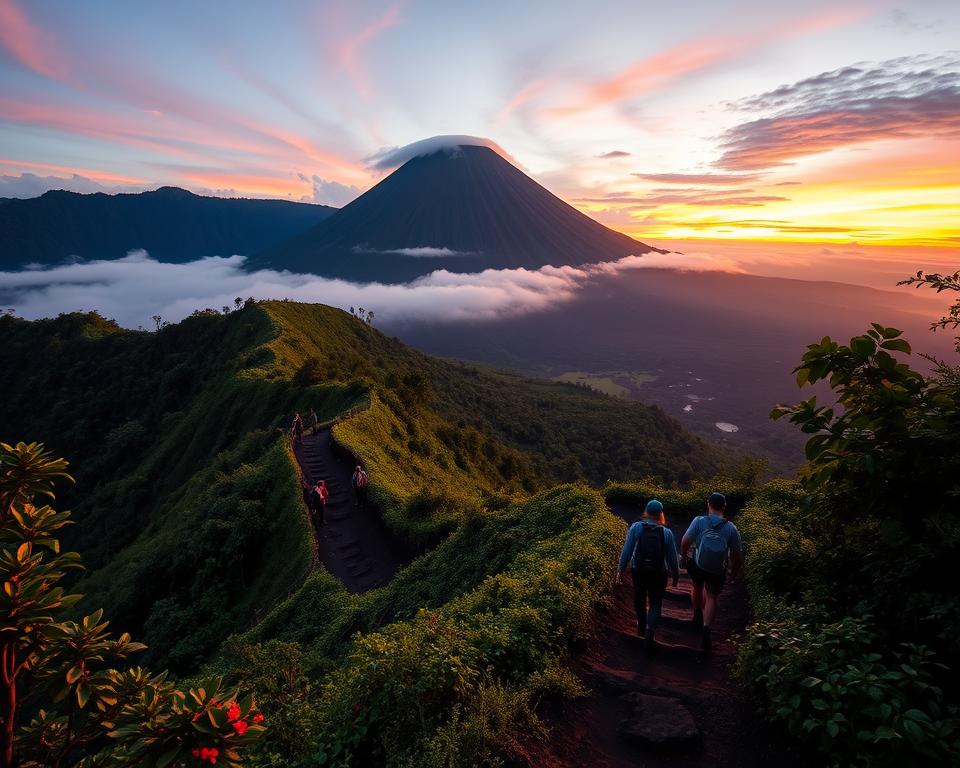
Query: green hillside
[187, 496]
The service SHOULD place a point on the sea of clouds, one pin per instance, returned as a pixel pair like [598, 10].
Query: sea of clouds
[133, 289]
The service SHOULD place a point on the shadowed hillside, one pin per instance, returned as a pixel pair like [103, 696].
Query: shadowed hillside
[172, 224]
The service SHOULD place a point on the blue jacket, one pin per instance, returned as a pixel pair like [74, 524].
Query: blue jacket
[670, 560]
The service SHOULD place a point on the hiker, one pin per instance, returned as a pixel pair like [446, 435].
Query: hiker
[653, 549]
[318, 500]
[360, 482]
[314, 422]
[715, 540]
[297, 428]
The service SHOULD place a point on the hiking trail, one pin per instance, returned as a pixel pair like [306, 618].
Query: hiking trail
[675, 707]
[353, 543]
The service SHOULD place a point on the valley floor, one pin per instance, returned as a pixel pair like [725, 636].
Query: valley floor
[677, 706]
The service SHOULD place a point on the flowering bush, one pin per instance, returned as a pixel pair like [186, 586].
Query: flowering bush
[92, 713]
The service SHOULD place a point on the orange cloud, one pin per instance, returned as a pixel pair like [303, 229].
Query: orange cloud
[225, 182]
[347, 52]
[30, 46]
[88, 173]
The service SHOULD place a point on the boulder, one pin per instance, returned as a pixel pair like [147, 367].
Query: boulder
[657, 721]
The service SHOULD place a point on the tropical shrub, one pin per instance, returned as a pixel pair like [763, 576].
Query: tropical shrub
[834, 685]
[851, 570]
[91, 710]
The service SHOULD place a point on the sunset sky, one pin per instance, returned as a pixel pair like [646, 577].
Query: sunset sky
[816, 122]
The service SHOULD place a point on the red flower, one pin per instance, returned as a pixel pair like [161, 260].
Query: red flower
[258, 718]
[234, 712]
[240, 726]
[195, 752]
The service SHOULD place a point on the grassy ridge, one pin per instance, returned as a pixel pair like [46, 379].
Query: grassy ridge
[479, 628]
[192, 524]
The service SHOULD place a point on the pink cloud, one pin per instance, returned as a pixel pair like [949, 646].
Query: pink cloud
[528, 93]
[653, 73]
[347, 54]
[32, 47]
[89, 173]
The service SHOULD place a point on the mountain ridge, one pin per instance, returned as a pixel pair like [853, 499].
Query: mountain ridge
[171, 223]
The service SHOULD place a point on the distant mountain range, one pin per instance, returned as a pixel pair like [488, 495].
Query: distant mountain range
[172, 224]
[463, 209]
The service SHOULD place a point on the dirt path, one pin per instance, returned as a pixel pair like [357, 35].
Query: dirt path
[675, 707]
[354, 544]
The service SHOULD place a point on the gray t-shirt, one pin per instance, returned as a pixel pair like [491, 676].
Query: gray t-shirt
[728, 531]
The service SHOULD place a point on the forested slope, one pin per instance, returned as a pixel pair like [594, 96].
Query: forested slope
[191, 522]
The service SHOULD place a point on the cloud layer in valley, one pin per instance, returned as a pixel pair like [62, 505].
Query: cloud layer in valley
[132, 289]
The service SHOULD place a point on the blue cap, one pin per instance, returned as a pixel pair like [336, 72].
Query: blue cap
[717, 500]
[654, 507]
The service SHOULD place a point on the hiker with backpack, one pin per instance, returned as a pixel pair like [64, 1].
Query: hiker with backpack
[297, 428]
[714, 540]
[360, 481]
[318, 499]
[652, 548]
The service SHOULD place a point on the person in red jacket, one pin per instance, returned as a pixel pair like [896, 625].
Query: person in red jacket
[318, 499]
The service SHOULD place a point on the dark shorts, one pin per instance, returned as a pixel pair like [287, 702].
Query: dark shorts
[714, 581]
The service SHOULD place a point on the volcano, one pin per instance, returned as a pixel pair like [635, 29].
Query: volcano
[463, 208]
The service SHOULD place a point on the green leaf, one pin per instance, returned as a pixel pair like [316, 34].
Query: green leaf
[896, 345]
[169, 756]
[863, 346]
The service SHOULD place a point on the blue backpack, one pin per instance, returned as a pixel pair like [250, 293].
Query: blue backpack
[712, 548]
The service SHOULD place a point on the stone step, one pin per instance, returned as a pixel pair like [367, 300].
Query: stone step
[657, 721]
[360, 568]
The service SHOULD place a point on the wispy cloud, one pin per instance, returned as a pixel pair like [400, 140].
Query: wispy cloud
[521, 98]
[660, 70]
[69, 171]
[348, 53]
[29, 45]
[421, 252]
[909, 97]
[688, 196]
[613, 154]
[698, 178]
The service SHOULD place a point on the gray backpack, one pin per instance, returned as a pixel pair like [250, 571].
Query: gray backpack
[712, 549]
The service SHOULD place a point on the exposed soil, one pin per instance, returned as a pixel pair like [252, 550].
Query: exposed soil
[601, 730]
[353, 542]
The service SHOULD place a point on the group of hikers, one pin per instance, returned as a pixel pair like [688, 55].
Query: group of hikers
[319, 493]
[710, 543]
[651, 549]
[297, 427]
